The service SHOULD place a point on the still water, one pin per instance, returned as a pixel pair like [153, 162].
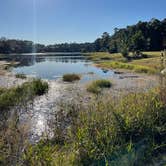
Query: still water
[53, 66]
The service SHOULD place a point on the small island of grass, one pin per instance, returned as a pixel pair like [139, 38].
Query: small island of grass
[71, 77]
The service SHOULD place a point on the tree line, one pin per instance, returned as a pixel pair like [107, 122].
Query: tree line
[144, 36]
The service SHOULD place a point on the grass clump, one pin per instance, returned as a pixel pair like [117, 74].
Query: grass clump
[16, 95]
[20, 75]
[71, 77]
[97, 85]
[39, 87]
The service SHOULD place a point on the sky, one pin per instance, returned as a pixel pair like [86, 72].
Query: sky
[58, 21]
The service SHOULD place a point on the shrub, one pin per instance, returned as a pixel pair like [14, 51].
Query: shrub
[98, 85]
[22, 76]
[71, 77]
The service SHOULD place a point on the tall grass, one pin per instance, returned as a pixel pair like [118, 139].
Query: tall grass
[97, 86]
[122, 65]
[13, 132]
[13, 96]
[130, 132]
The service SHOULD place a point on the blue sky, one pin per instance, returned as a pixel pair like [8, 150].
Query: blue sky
[56, 21]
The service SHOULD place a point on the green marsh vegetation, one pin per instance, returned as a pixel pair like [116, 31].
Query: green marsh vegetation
[148, 64]
[106, 132]
[13, 134]
[71, 77]
[13, 96]
[97, 86]
[128, 130]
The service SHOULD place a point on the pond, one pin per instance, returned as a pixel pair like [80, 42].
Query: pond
[52, 66]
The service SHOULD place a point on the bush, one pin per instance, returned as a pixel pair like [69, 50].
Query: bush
[98, 85]
[22, 76]
[71, 77]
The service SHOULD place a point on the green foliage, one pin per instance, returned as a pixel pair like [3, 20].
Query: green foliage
[141, 36]
[13, 96]
[131, 132]
[98, 85]
[40, 155]
[71, 77]
[22, 76]
[122, 65]
[39, 87]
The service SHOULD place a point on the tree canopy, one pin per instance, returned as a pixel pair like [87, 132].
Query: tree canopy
[144, 36]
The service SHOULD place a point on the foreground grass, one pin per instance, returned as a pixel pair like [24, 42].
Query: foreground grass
[130, 132]
[97, 86]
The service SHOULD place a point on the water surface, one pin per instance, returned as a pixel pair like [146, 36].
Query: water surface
[52, 66]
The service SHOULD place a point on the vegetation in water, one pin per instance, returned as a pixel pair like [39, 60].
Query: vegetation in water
[14, 96]
[71, 77]
[97, 86]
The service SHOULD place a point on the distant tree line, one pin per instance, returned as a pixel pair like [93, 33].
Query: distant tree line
[143, 36]
[149, 36]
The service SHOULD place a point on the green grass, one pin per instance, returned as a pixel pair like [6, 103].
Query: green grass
[128, 66]
[130, 132]
[149, 65]
[98, 56]
[97, 86]
[71, 77]
[22, 76]
[13, 96]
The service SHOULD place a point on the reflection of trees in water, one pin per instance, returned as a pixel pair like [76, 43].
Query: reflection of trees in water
[23, 60]
[29, 60]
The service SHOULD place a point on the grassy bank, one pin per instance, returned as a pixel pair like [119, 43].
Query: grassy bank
[149, 65]
[127, 66]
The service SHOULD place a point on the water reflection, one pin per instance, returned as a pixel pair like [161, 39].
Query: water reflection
[54, 66]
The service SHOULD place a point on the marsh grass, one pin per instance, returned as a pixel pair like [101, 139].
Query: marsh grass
[148, 63]
[97, 86]
[71, 77]
[13, 96]
[130, 132]
[127, 66]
